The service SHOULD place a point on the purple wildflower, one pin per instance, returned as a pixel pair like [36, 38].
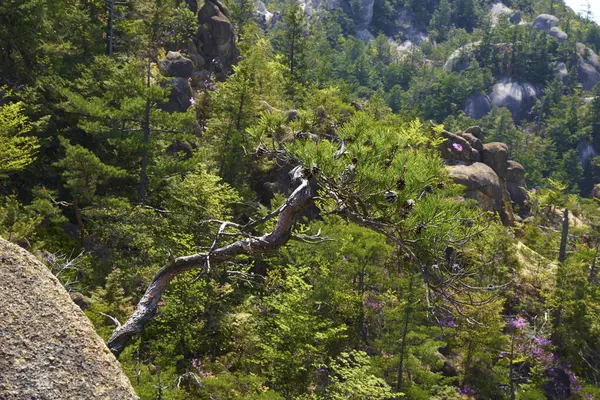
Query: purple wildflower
[192, 101]
[519, 322]
[541, 341]
[197, 364]
[457, 146]
[534, 191]
[466, 390]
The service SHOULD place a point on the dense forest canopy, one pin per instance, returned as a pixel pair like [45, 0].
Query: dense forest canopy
[370, 199]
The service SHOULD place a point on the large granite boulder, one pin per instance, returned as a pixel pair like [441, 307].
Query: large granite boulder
[588, 75]
[180, 98]
[175, 65]
[561, 72]
[558, 34]
[545, 22]
[48, 348]
[461, 58]
[499, 11]
[216, 35]
[495, 155]
[519, 98]
[515, 182]
[263, 16]
[481, 183]
[515, 172]
[478, 105]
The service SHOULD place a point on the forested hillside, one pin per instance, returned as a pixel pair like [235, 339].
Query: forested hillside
[366, 199]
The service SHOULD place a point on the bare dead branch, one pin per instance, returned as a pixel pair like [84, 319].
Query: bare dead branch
[281, 233]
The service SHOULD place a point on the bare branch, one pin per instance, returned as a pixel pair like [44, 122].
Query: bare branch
[113, 319]
[281, 233]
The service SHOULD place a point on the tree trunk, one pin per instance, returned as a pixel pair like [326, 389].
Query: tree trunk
[562, 254]
[146, 129]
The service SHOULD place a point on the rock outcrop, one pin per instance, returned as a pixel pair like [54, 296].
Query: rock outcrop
[180, 70]
[545, 22]
[560, 71]
[482, 184]
[216, 36]
[499, 11]
[485, 170]
[175, 65]
[518, 97]
[48, 348]
[478, 105]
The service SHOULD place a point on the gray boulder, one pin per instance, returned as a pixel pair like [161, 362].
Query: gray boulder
[176, 65]
[545, 22]
[180, 97]
[478, 105]
[216, 35]
[588, 75]
[498, 11]
[365, 35]
[558, 33]
[515, 172]
[461, 58]
[560, 71]
[515, 181]
[473, 141]
[515, 18]
[481, 183]
[517, 97]
[589, 55]
[49, 349]
[495, 155]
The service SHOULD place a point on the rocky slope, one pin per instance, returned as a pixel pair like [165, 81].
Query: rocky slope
[48, 348]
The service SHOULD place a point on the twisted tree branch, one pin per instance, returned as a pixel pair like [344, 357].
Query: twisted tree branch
[147, 306]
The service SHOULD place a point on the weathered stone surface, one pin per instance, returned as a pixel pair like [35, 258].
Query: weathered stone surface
[176, 65]
[48, 348]
[475, 131]
[560, 71]
[588, 75]
[478, 105]
[558, 33]
[596, 191]
[217, 36]
[515, 181]
[498, 11]
[545, 22]
[517, 97]
[481, 182]
[515, 17]
[515, 172]
[518, 195]
[495, 155]
[457, 148]
[180, 97]
[473, 141]
[365, 35]
[461, 58]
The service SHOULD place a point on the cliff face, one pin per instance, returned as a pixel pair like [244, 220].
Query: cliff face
[48, 347]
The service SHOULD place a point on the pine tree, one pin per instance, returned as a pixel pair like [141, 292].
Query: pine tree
[17, 150]
[441, 21]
